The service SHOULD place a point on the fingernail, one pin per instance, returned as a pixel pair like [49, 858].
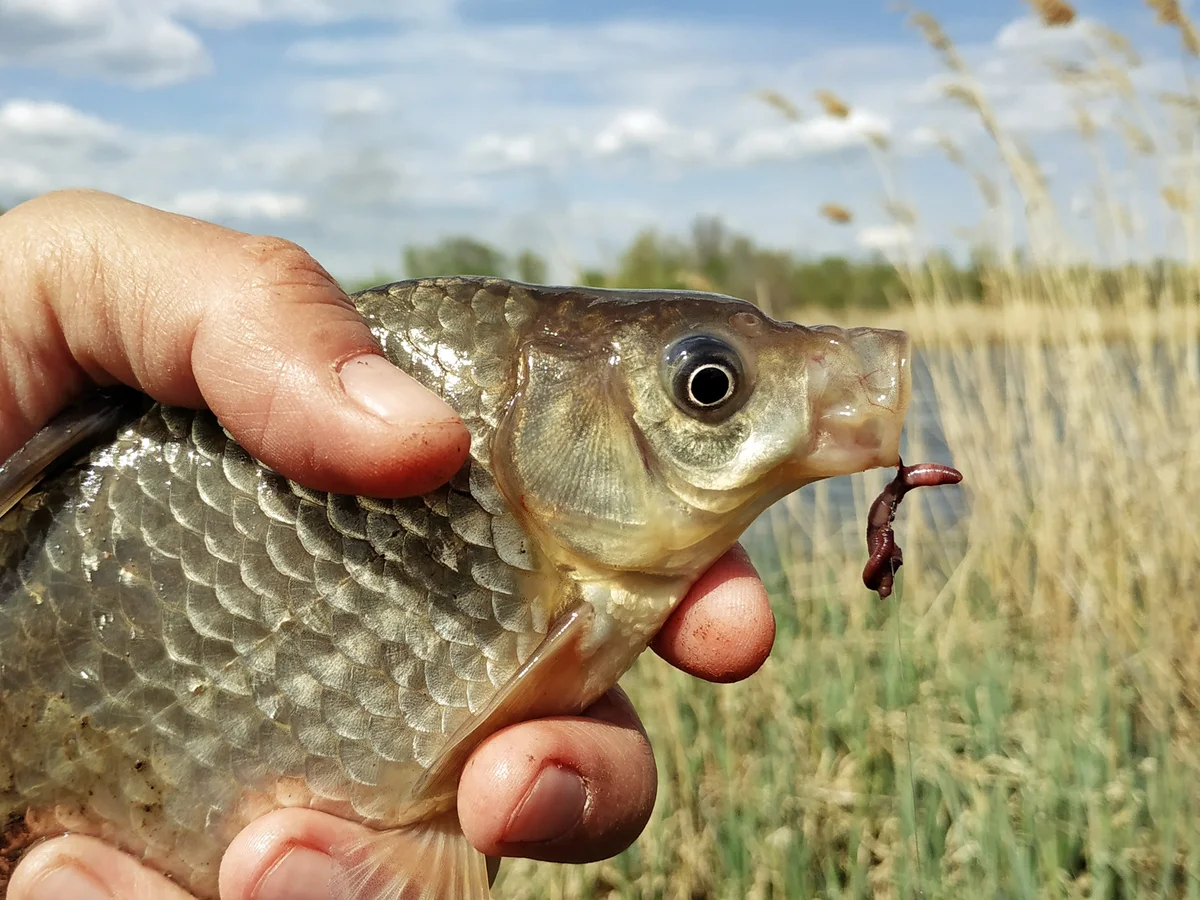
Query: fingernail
[300, 874]
[73, 882]
[551, 807]
[395, 396]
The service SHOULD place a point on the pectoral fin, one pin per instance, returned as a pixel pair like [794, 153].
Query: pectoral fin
[430, 860]
[555, 680]
[71, 431]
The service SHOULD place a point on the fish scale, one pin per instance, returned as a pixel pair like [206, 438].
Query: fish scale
[189, 640]
[218, 561]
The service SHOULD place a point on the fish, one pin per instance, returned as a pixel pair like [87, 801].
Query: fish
[189, 640]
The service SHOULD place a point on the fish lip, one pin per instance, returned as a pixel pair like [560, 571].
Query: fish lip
[862, 384]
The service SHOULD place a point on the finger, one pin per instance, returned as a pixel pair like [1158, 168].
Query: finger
[288, 855]
[566, 790]
[83, 868]
[285, 855]
[723, 629]
[96, 288]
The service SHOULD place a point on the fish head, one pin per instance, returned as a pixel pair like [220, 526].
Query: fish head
[650, 429]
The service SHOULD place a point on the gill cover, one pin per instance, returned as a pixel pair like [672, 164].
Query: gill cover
[576, 453]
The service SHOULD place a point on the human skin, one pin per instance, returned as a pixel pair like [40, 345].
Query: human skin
[97, 289]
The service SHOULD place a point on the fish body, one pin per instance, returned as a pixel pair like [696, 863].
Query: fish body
[189, 640]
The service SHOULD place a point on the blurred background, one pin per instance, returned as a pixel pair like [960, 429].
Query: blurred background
[1016, 184]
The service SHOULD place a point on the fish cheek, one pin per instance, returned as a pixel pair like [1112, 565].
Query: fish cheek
[699, 450]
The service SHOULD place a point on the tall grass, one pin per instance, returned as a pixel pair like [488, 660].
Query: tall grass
[1024, 719]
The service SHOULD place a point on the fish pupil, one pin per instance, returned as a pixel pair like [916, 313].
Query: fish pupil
[710, 384]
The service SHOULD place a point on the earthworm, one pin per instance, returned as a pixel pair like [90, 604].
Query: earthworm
[884, 554]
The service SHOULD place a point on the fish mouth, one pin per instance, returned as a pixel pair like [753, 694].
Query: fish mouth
[860, 381]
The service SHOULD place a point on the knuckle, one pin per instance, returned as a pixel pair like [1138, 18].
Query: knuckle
[288, 293]
[277, 262]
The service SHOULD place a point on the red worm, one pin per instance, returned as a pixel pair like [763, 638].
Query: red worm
[884, 554]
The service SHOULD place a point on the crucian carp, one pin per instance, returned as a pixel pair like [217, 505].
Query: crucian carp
[189, 640]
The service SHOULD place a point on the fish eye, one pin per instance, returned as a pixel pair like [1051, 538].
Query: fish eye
[705, 377]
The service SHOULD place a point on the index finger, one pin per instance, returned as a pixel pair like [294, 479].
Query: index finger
[96, 288]
[723, 629]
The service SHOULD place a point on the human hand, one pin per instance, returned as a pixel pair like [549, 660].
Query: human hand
[94, 288]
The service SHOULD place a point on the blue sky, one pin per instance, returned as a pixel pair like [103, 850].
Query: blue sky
[356, 126]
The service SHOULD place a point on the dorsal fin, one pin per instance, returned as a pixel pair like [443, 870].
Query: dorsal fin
[64, 439]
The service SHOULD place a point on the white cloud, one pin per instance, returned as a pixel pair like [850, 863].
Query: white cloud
[924, 137]
[827, 134]
[498, 152]
[20, 178]
[639, 132]
[134, 42]
[350, 99]
[232, 13]
[217, 204]
[43, 120]
[649, 131]
[633, 129]
[622, 50]
[150, 43]
[885, 238]
[1029, 34]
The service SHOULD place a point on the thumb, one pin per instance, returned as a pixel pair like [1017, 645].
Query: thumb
[96, 288]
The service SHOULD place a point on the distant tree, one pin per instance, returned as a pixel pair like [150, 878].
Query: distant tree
[594, 278]
[710, 250]
[361, 284]
[715, 259]
[652, 261]
[711, 257]
[458, 255]
[531, 267]
[462, 255]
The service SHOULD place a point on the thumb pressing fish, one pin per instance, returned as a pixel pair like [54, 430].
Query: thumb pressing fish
[189, 640]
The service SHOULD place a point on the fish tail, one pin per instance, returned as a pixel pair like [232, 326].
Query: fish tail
[431, 860]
